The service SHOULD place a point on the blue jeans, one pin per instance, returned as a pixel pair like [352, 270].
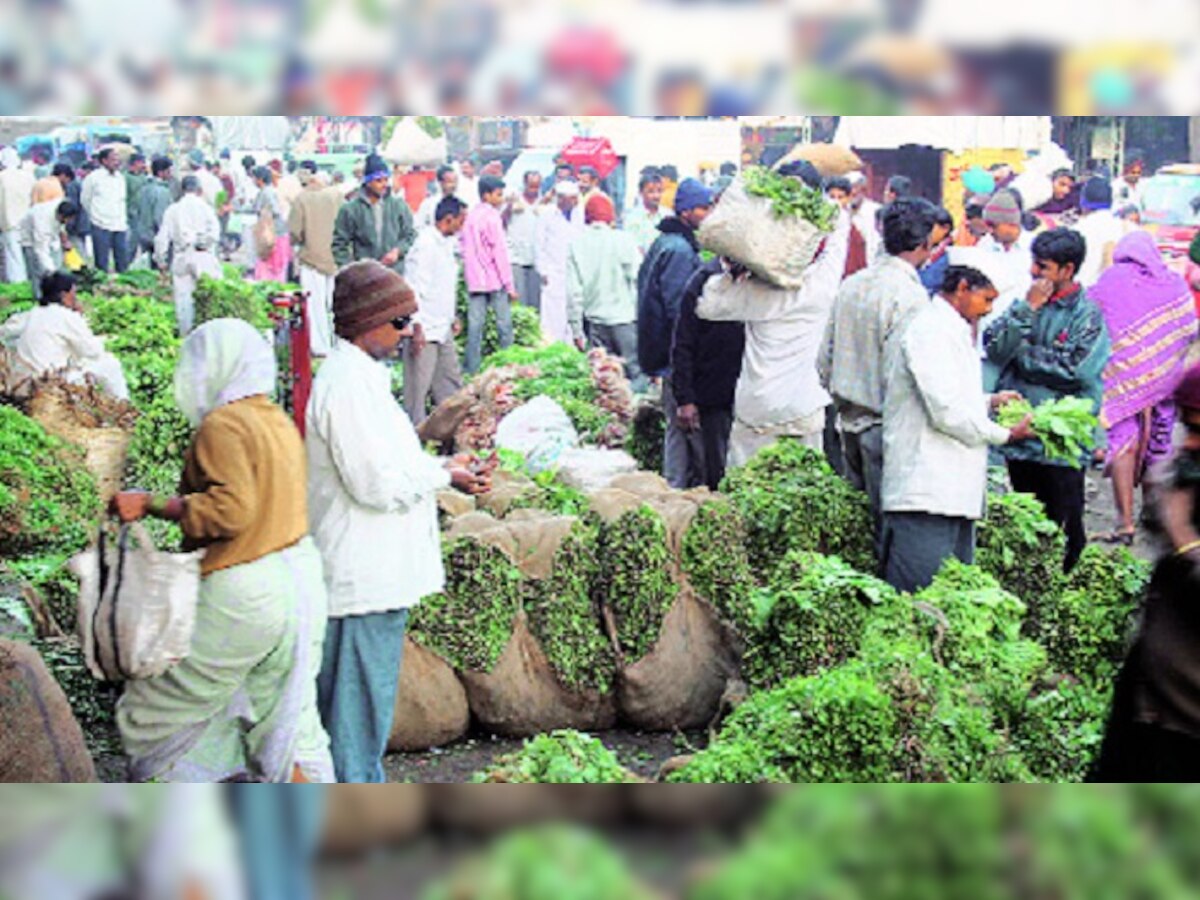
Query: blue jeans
[279, 828]
[356, 691]
[477, 309]
[113, 244]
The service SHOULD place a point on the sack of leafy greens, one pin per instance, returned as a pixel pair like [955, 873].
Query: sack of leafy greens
[771, 224]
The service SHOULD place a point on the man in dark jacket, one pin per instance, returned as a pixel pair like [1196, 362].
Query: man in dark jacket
[706, 361]
[670, 263]
[375, 224]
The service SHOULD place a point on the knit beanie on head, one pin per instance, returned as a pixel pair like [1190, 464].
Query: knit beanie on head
[690, 195]
[1097, 194]
[1002, 209]
[599, 209]
[366, 295]
[375, 168]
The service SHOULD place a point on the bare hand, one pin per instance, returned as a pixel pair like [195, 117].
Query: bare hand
[1022, 432]
[418, 339]
[457, 327]
[1002, 399]
[514, 296]
[580, 344]
[688, 417]
[392, 257]
[130, 506]
[1040, 294]
[470, 483]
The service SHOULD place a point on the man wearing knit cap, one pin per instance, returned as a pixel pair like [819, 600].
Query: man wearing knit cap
[602, 271]
[670, 263]
[1002, 214]
[375, 224]
[373, 508]
[1101, 229]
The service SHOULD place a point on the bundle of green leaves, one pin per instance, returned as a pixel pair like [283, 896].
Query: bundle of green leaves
[219, 298]
[810, 617]
[635, 581]
[791, 197]
[563, 757]
[550, 494]
[790, 499]
[470, 623]
[1023, 550]
[1086, 627]
[48, 499]
[565, 617]
[93, 702]
[549, 863]
[1066, 427]
[715, 561]
[834, 727]
[646, 437]
[1062, 728]
[49, 576]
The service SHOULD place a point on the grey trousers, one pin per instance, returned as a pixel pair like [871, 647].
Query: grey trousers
[862, 462]
[477, 310]
[917, 545]
[683, 451]
[529, 286]
[715, 427]
[432, 372]
[619, 340]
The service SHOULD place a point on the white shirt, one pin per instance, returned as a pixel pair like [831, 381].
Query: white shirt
[372, 492]
[555, 232]
[426, 216]
[865, 220]
[432, 271]
[187, 224]
[210, 186]
[56, 339]
[103, 197]
[936, 428]
[522, 232]
[1018, 259]
[1126, 194]
[785, 333]
[16, 196]
[41, 232]
[1103, 231]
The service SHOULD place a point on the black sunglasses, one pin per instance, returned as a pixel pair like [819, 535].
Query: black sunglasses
[402, 323]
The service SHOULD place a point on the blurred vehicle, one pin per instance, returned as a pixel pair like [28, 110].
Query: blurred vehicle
[1171, 210]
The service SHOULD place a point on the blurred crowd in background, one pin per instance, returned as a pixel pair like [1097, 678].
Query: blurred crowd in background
[630, 56]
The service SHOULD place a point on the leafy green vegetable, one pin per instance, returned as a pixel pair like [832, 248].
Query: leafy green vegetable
[646, 437]
[1062, 729]
[564, 757]
[527, 328]
[1066, 427]
[233, 299]
[93, 702]
[791, 197]
[715, 561]
[1022, 549]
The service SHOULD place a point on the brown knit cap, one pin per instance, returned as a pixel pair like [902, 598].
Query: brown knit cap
[366, 295]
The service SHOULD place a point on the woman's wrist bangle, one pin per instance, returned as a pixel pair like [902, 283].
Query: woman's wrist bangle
[1188, 548]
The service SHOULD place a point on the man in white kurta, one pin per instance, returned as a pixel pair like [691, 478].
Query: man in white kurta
[16, 196]
[556, 230]
[937, 430]
[187, 242]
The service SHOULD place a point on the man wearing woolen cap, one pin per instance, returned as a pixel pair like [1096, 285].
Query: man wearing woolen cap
[375, 224]
[1003, 214]
[373, 511]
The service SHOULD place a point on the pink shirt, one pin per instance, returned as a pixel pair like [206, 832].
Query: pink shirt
[486, 264]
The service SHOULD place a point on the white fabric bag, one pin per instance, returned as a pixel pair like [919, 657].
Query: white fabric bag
[541, 430]
[137, 605]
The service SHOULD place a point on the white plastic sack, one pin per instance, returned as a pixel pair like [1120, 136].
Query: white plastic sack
[137, 606]
[1035, 184]
[591, 469]
[746, 229]
[411, 145]
[540, 430]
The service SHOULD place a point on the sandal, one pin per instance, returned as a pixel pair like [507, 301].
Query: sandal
[1115, 538]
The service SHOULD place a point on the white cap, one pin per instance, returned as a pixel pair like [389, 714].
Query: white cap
[567, 189]
[993, 265]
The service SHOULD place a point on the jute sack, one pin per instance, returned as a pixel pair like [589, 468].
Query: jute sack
[57, 408]
[431, 704]
[360, 817]
[745, 228]
[522, 696]
[830, 160]
[680, 682]
[40, 740]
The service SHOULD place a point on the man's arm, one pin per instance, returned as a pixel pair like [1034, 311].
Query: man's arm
[575, 295]
[406, 234]
[343, 237]
[1071, 365]
[1008, 334]
[296, 223]
[825, 359]
[683, 346]
[162, 240]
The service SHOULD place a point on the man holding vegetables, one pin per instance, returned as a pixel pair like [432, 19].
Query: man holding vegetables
[1050, 346]
[936, 429]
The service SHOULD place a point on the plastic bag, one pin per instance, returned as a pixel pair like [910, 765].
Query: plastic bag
[592, 469]
[540, 430]
[137, 606]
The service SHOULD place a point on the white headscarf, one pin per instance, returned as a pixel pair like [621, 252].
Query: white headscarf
[221, 362]
[9, 158]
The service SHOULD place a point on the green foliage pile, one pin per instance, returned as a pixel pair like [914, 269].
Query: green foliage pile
[565, 617]
[93, 702]
[48, 499]
[49, 576]
[470, 623]
[790, 499]
[646, 437]
[564, 375]
[1086, 626]
[1062, 729]
[233, 299]
[1022, 549]
[791, 197]
[549, 863]
[715, 561]
[810, 617]
[636, 579]
[564, 757]
[549, 493]
[1066, 427]
[834, 727]
[527, 329]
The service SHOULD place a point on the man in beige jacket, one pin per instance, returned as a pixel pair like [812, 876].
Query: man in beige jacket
[311, 222]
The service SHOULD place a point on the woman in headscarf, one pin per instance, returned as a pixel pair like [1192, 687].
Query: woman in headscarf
[1154, 730]
[1151, 321]
[244, 702]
